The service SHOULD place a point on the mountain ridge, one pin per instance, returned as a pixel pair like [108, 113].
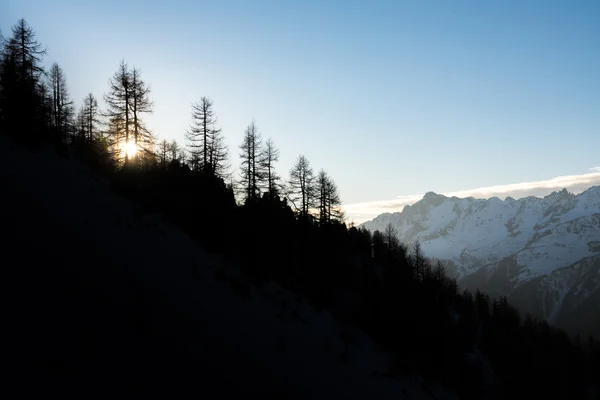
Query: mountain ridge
[526, 239]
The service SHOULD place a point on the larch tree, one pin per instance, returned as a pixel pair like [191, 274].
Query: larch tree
[140, 104]
[118, 102]
[164, 151]
[251, 170]
[328, 199]
[80, 126]
[90, 114]
[301, 186]
[418, 260]
[201, 133]
[390, 237]
[62, 111]
[127, 100]
[218, 153]
[175, 151]
[269, 157]
[21, 85]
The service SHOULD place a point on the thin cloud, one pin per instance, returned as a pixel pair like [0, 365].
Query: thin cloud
[361, 212]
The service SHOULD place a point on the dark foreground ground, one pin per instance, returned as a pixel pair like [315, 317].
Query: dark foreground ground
[79, 325]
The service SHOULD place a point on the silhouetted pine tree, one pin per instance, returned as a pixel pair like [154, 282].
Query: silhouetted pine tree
[164, 153]
[251, 169]
[301, 187]
[218, 154]
[21, 85]
[90, 113]
[328, 199]
[118, 112]
[269, 157]
[141, 104]
[201, 134]
[62, 110]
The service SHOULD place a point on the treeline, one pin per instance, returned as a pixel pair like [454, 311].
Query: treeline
[292, 232]
[35, 104]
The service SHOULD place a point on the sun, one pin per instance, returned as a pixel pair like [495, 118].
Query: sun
[130, 149]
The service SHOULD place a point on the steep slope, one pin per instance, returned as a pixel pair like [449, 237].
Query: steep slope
[500, 245]
[568, 297]
[105, 298]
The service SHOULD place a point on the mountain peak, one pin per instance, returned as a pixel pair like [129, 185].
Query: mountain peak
[431, 199]
[564, 193]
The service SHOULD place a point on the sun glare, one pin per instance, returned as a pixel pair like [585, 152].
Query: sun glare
[130, 149]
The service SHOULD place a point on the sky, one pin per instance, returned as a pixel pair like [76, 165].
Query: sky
[392, 98]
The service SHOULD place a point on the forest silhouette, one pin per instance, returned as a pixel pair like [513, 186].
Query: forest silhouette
[290, 230]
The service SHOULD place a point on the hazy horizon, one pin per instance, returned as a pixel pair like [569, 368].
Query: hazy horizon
[390, 98]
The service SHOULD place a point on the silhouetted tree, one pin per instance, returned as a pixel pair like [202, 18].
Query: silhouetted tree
[418, 260]
[301, 186]
[251, 169]
[218, 154]
[21, 97]
[269, 157]
[175, 151]
[328, 199]
[62, 107]
[90, 114]
[118, 101]
[164, 151]
[140, 104]
[201, 133]
[390, 237]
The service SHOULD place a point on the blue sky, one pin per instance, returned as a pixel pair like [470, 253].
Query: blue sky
[392, 98]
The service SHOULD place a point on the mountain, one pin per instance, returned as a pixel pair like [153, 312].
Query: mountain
[543, 253]
[107, 297]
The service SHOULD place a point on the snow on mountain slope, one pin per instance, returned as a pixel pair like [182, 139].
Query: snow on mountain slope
[245, 331]
[543, 233]
[499, 246]
[569, 297]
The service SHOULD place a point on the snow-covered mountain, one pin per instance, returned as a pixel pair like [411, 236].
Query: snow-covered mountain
[512, 247]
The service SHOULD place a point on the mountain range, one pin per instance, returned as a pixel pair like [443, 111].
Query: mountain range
[542, 253]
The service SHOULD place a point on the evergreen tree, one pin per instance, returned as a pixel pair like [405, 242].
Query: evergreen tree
[418, 260]
[62, 110]
[218, 154]
[327, 197]
[175, 151]
[90, 115]
[390, 237]
[270, 157]
[118, 101]
[164, 152]
[21, 87]
[201, 134]
[251, 170]
[301, 186]
[140, 104]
